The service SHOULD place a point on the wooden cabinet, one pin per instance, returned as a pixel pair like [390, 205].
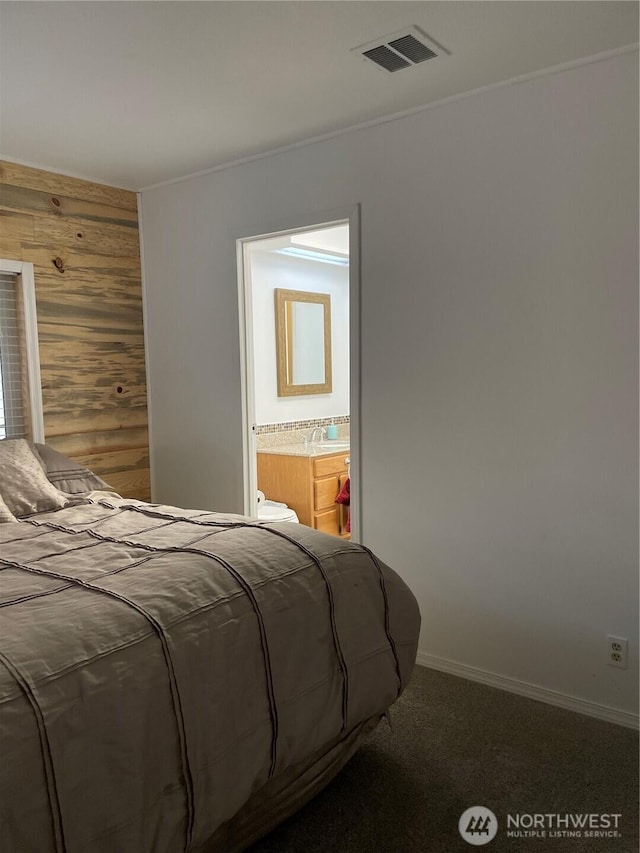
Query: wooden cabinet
[309, 485]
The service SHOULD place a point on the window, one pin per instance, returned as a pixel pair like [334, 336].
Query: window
[20, 393]
[13, 417]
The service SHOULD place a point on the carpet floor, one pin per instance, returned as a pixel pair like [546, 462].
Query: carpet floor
[457, 744]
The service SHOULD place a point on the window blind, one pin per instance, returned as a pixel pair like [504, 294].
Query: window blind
[13, 407]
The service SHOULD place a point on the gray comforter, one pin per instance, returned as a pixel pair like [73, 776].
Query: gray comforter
[160, 667]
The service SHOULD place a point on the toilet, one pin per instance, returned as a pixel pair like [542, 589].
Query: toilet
[274, 511]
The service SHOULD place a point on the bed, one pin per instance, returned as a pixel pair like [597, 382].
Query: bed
[177, 680]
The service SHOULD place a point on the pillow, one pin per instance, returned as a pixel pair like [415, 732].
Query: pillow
[66, 475]
[23, 483]
[5, 513]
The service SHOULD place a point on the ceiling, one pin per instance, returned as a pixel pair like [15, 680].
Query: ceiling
[333, 241]
[137, 93]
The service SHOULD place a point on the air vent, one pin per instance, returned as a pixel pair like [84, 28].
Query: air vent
[385, 57]
[399, 50]
[413, 49]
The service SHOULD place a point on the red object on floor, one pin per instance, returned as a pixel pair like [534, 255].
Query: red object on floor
[344, 497]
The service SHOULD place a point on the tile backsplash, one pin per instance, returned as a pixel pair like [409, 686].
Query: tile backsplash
[269, 435]
[293, 426]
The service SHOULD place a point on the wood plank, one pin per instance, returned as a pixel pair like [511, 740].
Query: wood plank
[83, 361]
[126, 471]
[74, 261]
[11, 250]
[56, 288]
[63, 330]
[57, 332]
[48, 273]
[84, 316]
[79, 375]
[67, 423]
[132, 484]
[112, 289]
[90, 353]
[114, 461]
[24, 200]
[123, 312]
[90, 320]
[90, 443]
[16, 226]
[90, 398]
[52, 183]
[100, 239]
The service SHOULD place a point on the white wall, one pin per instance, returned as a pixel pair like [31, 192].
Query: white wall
[499, 267]
[268, 271]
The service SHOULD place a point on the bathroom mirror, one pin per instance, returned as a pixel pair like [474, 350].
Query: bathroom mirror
[303, 342]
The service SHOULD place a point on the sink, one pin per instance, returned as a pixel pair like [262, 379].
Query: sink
[331, 445]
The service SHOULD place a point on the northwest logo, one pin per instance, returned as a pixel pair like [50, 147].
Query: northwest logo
[478, 825]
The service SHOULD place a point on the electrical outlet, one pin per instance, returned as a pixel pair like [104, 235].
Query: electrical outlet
[617, 648]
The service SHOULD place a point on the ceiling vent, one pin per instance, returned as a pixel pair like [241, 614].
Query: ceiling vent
[399, 50]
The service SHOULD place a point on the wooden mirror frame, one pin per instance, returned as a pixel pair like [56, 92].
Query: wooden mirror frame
[284, 342]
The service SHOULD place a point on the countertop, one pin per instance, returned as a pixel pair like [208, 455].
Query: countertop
[300, 449]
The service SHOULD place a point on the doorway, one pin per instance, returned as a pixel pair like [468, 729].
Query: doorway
[299, 318]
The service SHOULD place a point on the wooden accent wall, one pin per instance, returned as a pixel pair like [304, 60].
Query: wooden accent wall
[82, 239]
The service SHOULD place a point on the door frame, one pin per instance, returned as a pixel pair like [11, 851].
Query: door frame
[262, 231]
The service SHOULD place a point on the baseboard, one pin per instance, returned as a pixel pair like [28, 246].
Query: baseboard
[531, 691]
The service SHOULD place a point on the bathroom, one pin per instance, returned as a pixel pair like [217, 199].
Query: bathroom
[299, 285]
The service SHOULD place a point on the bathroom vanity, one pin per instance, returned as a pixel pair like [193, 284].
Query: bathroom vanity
[308, 479]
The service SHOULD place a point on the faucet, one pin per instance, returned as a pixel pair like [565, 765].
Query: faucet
[318, 434]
